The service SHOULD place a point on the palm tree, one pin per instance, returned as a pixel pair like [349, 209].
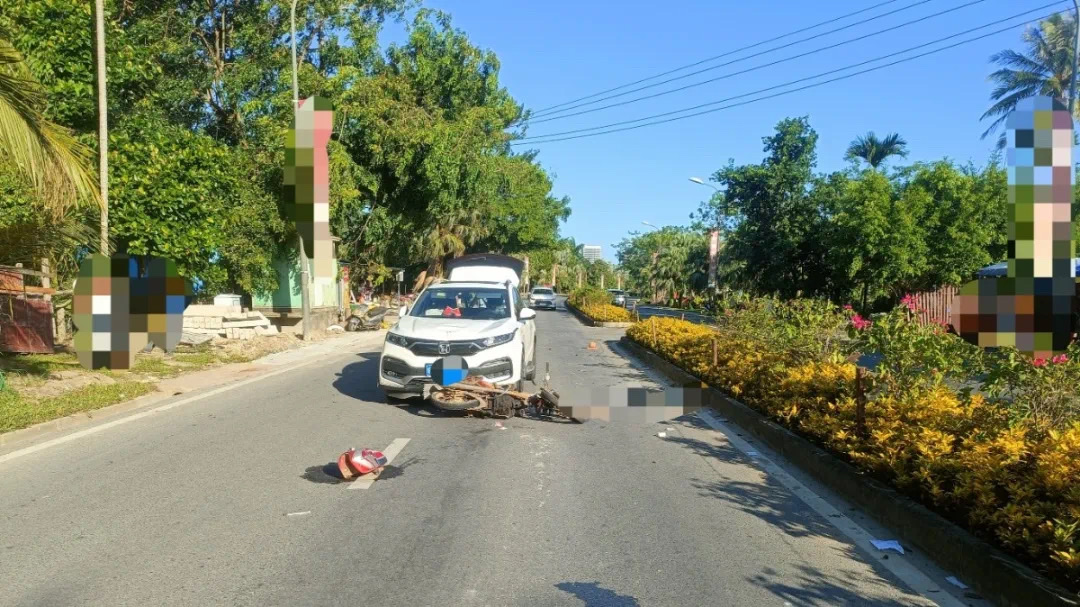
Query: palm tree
[449, 236]
[874, 151]
[1045, 67]
[55, 164]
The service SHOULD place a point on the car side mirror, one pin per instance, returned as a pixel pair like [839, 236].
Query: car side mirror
[403, 310]
[527, 314]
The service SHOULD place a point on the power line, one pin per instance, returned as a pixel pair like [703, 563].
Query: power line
[747, 70]
[547, 110]
[533, 140]
[780, 37]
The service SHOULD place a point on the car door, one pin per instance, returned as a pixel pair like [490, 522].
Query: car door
[528, 327]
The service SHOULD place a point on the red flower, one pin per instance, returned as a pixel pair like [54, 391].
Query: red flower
[1039, 362]
[1060, 358]
[859, 322]
[911, 303]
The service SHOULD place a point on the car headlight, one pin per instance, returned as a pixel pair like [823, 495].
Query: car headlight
[397, 340]
[497, 340]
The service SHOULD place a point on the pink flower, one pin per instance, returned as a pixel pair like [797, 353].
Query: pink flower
[847, 307]
[1039, 362]
[1060, 358]
[911, 303]
[859, 322]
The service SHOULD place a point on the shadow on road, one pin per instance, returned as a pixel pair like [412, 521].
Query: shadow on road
[594, 596]
[765, 498]
[326, 474]
[357, 380]
[812, 586]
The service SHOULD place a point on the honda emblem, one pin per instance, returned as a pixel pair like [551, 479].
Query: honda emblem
[444, 348]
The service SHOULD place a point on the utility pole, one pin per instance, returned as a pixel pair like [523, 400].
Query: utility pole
[103, 125]
[1076, 54]
[304, 276]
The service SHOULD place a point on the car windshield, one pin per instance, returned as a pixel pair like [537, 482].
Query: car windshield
[471, 303]
[542, 292]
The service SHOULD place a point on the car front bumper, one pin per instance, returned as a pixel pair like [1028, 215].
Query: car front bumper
[402, 372]
[542, 303]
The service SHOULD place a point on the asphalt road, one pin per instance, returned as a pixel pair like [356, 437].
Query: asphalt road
[227, 501]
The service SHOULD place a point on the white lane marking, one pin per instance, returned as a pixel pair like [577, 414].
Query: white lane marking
[305, 512]
[390, 452]
[901, 568]
[130, 418]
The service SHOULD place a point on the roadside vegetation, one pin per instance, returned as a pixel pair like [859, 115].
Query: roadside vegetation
[990, 440]
[596, 304]
[41, 387]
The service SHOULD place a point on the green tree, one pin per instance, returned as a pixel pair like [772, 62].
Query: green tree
[184, 196]
[961, 212]
[775, 220]
[876, 241]
[874, 151]
[1044, 67]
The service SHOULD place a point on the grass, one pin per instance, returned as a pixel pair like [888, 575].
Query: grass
[18, 412]
[27, 398]
[37, 365]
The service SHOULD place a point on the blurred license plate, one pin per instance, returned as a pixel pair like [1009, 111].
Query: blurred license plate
[427, 370]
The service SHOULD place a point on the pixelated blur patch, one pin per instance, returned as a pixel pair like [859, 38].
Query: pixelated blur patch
[449, 371]
[119, 308]
[638, 404]
[1031, 308]
[307, 180]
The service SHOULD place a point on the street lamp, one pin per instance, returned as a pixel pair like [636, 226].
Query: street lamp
[700, 181]
[304, 296]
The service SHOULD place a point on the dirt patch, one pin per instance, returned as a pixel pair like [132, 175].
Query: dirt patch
[237, 351]
[61, 382]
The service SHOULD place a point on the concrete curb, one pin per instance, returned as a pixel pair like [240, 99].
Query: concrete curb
[997, 576]
[594, 323]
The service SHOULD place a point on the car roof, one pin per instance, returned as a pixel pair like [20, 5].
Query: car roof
[475, 284]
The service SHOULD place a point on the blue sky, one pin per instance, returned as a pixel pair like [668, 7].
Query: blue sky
[557, 50]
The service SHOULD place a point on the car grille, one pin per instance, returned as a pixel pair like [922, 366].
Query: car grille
[458, 348]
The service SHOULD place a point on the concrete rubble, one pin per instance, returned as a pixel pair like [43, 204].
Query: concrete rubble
[229, 322]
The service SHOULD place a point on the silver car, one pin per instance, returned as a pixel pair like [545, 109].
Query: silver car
[542, 297]
[618, 297]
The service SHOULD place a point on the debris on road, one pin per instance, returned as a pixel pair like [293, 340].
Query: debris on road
[955, 582]
[335, 329]
[592, 345]
[662, 434]
[368, 461]
[888, 545]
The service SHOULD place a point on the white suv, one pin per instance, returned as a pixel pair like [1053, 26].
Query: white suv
[484, 322]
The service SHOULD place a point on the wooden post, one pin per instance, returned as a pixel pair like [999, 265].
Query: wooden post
[59, 333]
[860, 404]
[715, 354]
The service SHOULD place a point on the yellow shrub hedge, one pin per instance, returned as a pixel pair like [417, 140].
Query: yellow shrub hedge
[605, 313]
[961, 455]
